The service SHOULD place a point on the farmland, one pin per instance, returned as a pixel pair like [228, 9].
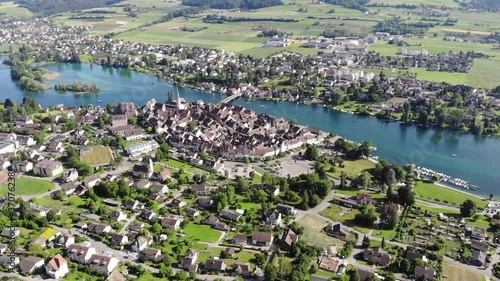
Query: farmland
[312, 232]
[11, 10]
[460, 273]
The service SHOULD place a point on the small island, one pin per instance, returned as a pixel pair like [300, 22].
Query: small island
[77, 87]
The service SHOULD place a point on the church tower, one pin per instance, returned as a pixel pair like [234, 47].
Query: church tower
[180, 106]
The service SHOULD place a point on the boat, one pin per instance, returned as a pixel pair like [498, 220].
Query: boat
[99, 101]
[454, 155]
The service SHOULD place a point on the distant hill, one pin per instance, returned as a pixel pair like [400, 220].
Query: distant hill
[50, 7]
[232, 4]
[485, 5]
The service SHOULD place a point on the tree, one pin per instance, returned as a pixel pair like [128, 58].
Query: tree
[382, 244]
[390, 177]
[367, 216]
[343, 182]
[165, 271]
[406, 196]
[271, 274]
[366, 242]
[311, 153]
[389, 216]
[468, 208]
[363, 180]
[365, 149]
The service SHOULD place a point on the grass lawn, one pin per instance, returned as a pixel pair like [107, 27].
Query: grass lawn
[325, 273]
[201, 233]
[431, 192]
[313, 227]
[353, 168]
[243, 256]
[28, 186]
[147, 276]
[345, 216]
[182, 165]
[132, 142]
[460, 273]
[435, 210]
[354, 192]
[9, 10]
[80, 276]
[247, 204]
[98, 155]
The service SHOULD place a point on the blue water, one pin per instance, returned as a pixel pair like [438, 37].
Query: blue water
[477, 158]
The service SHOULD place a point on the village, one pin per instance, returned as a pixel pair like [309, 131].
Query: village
[332, 77]
[135, 192]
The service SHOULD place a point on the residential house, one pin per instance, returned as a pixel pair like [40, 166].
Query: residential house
[330, 264]
[242, 269]
[478, 233]
[177, 203]
[480, 246]
[39, 241]
[26, 140]
[10, 232]
[272, 190]
[99, 228]
[151, 254]
[103, 263]
[412, 256]
[159, 187]
[142, 184]
[230, 215]
[142, 148]
[217, 265]
[148, 215]
[200, 189]
[336, 231]
[55, 146]
[57, 267]
[118, 239]
[273, 217]
[47, 168]
[116, 276]
[189, 260]
[262, 238]
[141, 243]
[163, 175]
[9, 261]
[91, 181]
[65, 241]
[286, 209]
[142, 171]
[377, 256]
[205, 202]
[80, 253]
[134, 205]
[171, 223]
[118, 215]
[30, 264]
[190, 212]
[364, 199]
[478, 258]
[68, 188]
[422, 273]
[22, 166]
[289, 238]
[70, 175]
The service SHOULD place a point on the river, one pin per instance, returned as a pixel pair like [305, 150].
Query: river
[477, 157]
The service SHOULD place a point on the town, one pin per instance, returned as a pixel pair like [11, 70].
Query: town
[269, 140]
[176, 188]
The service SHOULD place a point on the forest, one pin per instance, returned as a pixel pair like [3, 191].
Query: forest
[50, 7]
[400, 27]
[483, 5]
[352, 4]
[232, 4]
[77, 87]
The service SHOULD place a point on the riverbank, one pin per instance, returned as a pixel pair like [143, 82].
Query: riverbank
[51, 75]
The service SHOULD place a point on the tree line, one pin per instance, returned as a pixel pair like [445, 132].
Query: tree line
[399, 26]
[351, 4]
[50, 7]
[232, 4]
[77, 87]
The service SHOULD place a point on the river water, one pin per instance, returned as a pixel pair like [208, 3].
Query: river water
[477, 161]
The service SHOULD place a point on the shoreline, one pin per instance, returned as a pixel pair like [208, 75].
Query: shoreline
[445, 186]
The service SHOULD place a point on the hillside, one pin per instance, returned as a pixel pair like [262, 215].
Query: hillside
[50, 7]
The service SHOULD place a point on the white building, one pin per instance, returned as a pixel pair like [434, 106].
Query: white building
[103, 263]
[142, 148]
[47, 168]
[57, 267]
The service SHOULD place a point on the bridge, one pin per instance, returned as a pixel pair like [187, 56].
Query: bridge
[231, 97]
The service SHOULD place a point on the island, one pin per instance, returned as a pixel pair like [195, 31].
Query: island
[77, 87]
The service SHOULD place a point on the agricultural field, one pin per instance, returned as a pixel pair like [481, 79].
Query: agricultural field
[28, 186]
[456, 272]
[449, 3]
[9, 10]
[97, 155]
[313, 227]
[434, 192]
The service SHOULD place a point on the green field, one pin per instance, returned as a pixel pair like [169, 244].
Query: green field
[79, 276]
[99, 155]
[313, 227]
[353, 168]
[201, 233]
[28, 186]
[431, 192]
[12, 10]
[457, 272]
